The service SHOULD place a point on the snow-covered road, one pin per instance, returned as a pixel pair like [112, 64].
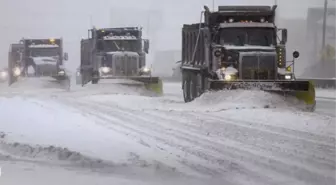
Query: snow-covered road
[112, 134]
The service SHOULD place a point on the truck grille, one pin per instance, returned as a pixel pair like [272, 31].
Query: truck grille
[258, 67]
[126, 65]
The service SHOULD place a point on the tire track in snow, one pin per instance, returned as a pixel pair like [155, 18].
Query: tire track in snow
[289, 151]
[324, 165]
[121, 125]
[305, 162]
[323, 146]
[303, 172]
[210, 169]
[324, 152]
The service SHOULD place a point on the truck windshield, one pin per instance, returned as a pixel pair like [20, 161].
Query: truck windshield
[118, 45]
[247, 36]
[44, 52]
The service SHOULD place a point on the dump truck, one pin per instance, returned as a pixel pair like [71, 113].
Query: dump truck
[240, 47]
[117, 53]
[45, 56]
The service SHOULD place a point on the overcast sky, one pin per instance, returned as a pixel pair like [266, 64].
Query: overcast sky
[70, 19]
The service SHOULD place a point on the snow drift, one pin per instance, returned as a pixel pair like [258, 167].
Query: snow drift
[47, 130]
[210, 101]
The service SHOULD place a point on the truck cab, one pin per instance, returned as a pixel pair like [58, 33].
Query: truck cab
[246, 44]
[236, 47]
[45, 56]
[116, 52]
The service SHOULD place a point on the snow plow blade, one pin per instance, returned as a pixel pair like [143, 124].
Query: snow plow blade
[153, 84]
[302, 90]
[61, 78]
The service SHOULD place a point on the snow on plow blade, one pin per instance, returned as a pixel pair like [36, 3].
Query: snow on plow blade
[302, 90]
[153, 84]
[44, 81]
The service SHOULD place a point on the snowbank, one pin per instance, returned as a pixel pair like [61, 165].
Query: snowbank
[36, 128]
[32, 86]
[110, 87]
[211, 101]
[43, 131]
[27, 173]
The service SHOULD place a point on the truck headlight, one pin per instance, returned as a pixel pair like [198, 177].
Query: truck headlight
[16, 72]
[3, 74]
[228, 77]
[288, 77]
[105, 69]
[145, 70]
[61, 73]
[229, 73]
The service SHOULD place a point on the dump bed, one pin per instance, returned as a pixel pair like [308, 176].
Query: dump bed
[194, 46]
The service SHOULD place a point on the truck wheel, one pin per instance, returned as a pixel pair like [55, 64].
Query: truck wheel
[200, 86]
[94, 81]
[95, 77]
[186, 86]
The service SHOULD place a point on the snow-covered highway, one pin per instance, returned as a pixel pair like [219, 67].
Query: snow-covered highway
[113, 133]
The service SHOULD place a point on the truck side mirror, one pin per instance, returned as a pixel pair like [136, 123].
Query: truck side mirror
[296, 54]
[284, 36]
[65, 56]
[146, 45]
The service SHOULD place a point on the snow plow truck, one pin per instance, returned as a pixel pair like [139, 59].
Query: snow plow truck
[45, 56]
[240, 47]
[117, 53]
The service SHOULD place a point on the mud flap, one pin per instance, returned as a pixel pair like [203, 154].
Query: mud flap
[156, 87]
[86, 74]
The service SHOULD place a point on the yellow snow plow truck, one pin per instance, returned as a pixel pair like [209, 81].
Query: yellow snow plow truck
[119, 54]
[239, 47]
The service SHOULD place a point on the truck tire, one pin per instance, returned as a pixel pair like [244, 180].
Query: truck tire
[200, 79]
[191, 84]
[94, 81]
[95, 77]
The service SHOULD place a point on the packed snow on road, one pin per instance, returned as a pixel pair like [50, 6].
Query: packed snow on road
[112, 134]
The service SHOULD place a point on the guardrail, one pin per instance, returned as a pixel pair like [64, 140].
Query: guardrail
[322, 82]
